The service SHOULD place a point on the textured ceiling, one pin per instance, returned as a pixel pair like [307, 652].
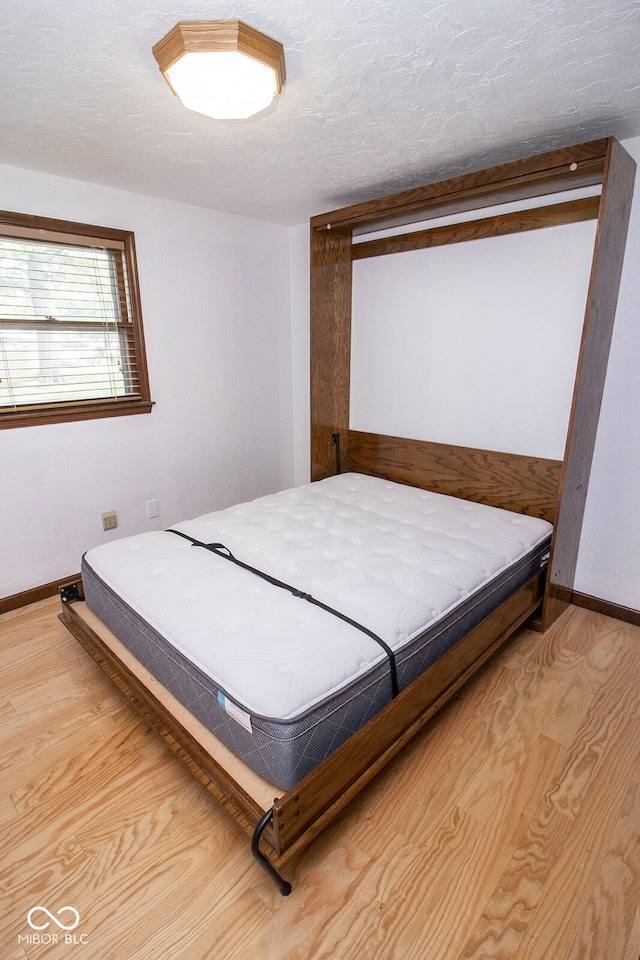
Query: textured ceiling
[380, 95]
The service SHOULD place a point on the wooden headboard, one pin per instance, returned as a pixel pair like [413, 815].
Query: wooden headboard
[553, 489]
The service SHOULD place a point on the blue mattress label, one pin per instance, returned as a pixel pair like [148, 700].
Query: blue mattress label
[234, 711]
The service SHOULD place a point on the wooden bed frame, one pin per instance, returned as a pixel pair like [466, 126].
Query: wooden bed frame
[281, 827]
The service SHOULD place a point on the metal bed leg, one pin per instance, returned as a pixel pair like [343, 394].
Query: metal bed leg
[283, 886]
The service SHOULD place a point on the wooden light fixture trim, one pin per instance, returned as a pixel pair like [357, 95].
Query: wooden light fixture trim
[220, 36]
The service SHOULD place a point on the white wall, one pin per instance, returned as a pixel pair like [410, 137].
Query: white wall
[216, 308]
[609, 558]
[462, 343]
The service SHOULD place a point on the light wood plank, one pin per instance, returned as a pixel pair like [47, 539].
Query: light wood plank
[509, 829]
[604, 724]
[560, 914]
[632, 946]
[462, 900]
[610, 912]
[459, 741]
[509, 756]
[499, 931]
[564, 720]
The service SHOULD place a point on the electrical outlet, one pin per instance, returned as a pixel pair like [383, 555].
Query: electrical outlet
[109, 520]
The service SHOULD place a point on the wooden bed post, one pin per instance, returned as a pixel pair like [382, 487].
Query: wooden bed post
[331, 274]
[600, 311]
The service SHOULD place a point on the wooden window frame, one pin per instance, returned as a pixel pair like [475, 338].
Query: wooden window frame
[30, 227]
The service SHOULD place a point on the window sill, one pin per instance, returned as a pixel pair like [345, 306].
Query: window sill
[70, 412]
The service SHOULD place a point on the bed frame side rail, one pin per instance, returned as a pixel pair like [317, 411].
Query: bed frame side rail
[302, 812]
[307, 808]
[242, 807]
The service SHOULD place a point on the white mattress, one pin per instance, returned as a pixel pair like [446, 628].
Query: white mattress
[392, 557]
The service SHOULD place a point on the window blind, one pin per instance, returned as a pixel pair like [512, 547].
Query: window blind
[67, 336]
[64, 328]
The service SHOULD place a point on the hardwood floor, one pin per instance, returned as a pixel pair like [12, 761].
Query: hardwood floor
[508, 830]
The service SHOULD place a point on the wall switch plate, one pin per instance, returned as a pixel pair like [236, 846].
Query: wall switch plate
[109, 520]
[152, 509]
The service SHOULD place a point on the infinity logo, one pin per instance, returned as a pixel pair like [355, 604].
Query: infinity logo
[59, 923]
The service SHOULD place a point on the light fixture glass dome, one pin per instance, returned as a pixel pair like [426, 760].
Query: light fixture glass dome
[222, 85]
[223, 69]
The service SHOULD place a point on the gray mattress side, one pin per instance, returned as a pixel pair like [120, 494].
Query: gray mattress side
[284, 751]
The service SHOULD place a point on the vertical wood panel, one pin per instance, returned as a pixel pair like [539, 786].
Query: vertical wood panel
[602, 298]
[331, 275]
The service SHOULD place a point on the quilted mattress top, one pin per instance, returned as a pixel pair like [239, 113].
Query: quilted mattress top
[394, 558]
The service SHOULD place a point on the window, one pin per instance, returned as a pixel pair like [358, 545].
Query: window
[71, 339]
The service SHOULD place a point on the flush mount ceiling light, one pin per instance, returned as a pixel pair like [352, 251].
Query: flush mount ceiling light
[221, 68]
